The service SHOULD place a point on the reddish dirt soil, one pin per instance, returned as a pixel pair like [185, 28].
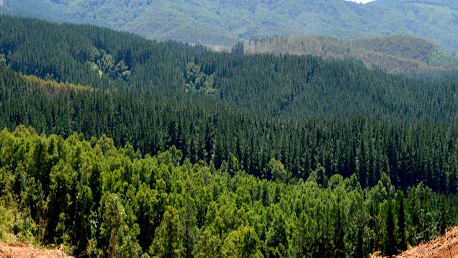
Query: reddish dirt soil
[443, 247]
[29, 251]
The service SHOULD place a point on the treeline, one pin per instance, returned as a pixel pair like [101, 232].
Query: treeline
[108, 201]
[450, 76]
[288, 86]
[53, 88]
[207, 132]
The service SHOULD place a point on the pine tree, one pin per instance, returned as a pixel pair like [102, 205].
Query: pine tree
[339, 233]
[390, 237]
[401, 232]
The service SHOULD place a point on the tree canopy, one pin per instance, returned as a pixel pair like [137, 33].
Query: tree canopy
[109, 201]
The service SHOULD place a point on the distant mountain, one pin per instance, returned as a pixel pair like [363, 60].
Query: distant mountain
[224, 22]
[394, 54]
[35, 9]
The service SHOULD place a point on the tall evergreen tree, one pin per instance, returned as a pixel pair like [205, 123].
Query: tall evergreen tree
[390, 234]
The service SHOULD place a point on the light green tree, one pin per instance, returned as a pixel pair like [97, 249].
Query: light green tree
[118, 234]
[167, 242]
[243, 242]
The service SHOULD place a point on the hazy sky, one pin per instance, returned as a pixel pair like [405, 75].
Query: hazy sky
[361, 1]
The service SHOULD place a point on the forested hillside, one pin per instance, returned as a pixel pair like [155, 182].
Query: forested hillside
[120, 146]
[225, 22]
[289, 86]
[213, 105]
[211, 132]
[113, 202]
[401, 54]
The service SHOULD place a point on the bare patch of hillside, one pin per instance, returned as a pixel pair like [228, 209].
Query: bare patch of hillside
[443, 247]
[27, 251]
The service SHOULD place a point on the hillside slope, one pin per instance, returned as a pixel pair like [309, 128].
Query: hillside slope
[394, 54]
[225, 22]
[443, 247]
[213, 105]
[289, 86]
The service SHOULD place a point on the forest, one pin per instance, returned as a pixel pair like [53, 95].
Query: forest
[117, 146]
[114, 202]
[208, 132]
[279, 86]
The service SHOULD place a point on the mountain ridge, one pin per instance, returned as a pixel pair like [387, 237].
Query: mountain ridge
[226, 22]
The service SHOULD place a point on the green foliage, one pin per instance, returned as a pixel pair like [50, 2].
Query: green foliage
[211, 131]
[117, 231]
[285, 86]
[401, 229]
[197, 80]
[209, 245]
[237, 49]
[277, 237]
[242, 243]
[167, 241]
[150, 211]
[189, 228]
[16, 226]
[270, 167]
[276, 171]
[136, 215]
[390, 241]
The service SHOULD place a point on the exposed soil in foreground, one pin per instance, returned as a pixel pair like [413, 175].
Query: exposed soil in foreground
[29, 251]
[445, 246]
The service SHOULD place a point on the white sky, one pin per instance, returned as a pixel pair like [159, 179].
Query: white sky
[361, 1]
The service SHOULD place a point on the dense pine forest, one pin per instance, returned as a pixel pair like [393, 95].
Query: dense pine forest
[287, 86]
[118, 146]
